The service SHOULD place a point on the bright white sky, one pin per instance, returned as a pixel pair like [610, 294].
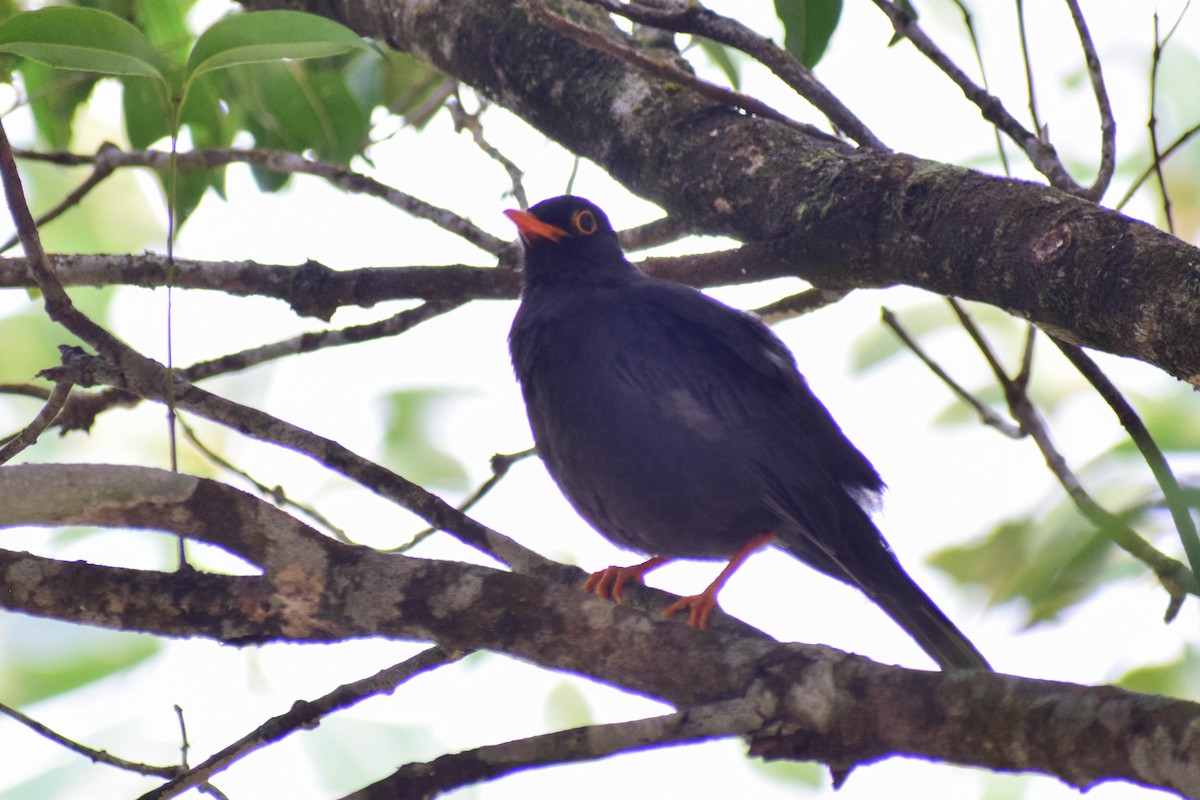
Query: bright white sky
[947, 485]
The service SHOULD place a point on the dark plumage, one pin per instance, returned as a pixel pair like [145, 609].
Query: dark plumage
[680, 427]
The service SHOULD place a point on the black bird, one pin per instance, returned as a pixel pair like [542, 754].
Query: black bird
[680, 428]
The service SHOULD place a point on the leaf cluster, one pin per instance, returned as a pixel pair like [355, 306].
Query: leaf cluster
[287, 79]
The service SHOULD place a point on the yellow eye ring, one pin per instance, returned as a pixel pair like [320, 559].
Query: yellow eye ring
[584, 222]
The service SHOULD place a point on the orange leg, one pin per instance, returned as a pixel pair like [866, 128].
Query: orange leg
[609, 582]
[701, 605]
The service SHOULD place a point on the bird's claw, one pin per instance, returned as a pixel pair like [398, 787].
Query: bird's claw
[609, 583]
[700, 608]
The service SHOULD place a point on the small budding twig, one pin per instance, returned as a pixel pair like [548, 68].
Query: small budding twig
[98, 756]
[30, 433]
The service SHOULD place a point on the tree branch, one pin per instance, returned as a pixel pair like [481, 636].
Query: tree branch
[304, 715]
[30, 433]
[809, 703]
[696, 19]
[455, 770]
[814, 207]
[1040, 152]
[98, 756]
[111, 158]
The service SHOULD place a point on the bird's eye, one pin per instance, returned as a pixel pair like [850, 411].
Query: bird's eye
[584, 222]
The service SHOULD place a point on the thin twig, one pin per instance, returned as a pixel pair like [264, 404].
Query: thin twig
[1153, 455]
[102, 167]
[969, 23]
[653, 234]
[451, 771]
[276, 494]
[1108, 125]
[695, 19]
[1029, 83]
[1041, 153]
[1179, 142]
[986, 414]
[281, 161]
[799, 304]
[317, 340]
[1157, 158]
[81, 417]
[26, 390]
[1026, 373]
[1175, 578]
[985, 348]
[464, 120]
[1152, 125]
[305, 715]
[30, 433]
[98, 756]
[501, 463]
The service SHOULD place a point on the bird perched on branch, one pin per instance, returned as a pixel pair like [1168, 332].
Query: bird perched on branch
[680, 428]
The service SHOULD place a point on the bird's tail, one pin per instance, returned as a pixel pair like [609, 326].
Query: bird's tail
[860, 556]
[912, 610]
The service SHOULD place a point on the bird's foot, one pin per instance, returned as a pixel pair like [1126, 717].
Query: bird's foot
[609, 582]
[700, 608]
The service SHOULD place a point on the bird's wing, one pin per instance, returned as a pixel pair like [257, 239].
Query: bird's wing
[736, 376]
[731, 365]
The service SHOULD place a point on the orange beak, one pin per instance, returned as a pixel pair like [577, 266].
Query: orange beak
[531, 228]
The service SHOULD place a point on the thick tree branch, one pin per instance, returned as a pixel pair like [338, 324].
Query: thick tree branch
[809, 703]
[819, 209]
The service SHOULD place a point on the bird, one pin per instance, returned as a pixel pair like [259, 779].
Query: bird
[680, 428]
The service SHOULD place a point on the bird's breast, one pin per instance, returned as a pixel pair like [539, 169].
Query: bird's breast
[645, 458]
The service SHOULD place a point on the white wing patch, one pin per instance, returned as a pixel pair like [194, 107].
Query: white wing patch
[679, 404]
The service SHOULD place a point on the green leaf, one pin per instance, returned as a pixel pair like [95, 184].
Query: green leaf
[1051, 563]
[1171, 420]
[399, 82]
[166, 27]
[262, 36]
[566, 707]
[147, 113]
[298, 107]
[1178, 678]
[808, 26]
[907, 8]
[408, 446]
[808, 775]
[81, 39]
[34, 670]
[723, 57]
[147, 120]
[54, 97]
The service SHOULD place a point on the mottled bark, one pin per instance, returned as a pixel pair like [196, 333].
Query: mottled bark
[813, 207]
[789, 701]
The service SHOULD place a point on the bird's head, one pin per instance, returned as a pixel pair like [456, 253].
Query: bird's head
[569, 240]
